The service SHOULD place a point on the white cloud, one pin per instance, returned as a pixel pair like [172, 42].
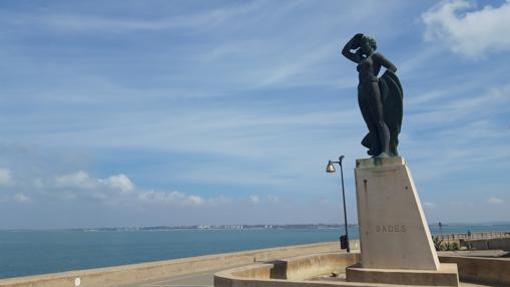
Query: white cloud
[100, 189]
[21, 198]
[79, 179]
[495, 200]
[5, 176]
[467, 31]
[120, 181]
[429, 204]
[254, 199]
[173, 197]
[273, 198]
[38, 183]
[195, 200]
[82, 180]
[159, 196]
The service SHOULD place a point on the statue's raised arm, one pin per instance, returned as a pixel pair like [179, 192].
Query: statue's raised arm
[353, 44]
[380, 99]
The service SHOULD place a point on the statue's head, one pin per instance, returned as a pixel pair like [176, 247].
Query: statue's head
[368, 45]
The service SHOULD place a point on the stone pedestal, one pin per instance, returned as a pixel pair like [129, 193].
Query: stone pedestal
[394, 235]
[393, 230]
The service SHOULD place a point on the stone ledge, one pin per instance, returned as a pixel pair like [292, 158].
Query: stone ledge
[380, 162]
[308, 271]
[494, 271]
[447, 275]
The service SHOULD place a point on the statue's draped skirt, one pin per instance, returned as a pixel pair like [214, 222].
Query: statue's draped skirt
[392, 103]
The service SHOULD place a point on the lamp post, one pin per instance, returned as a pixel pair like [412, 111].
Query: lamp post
[330, 168]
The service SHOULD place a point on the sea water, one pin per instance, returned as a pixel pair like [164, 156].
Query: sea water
[37, 252]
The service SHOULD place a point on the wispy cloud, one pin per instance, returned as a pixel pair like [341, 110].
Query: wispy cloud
[466, 30]
[94, 23]
[83, 180]
[254, 199]
[495, 200]
[120, 181]
[170, 198]
[21, 198]
[5, 176]
[116, 190]
[428, 204]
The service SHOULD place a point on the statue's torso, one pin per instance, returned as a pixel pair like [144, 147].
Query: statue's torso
[367, 70]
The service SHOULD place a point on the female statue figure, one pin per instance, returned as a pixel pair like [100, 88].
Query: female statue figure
[380, 99]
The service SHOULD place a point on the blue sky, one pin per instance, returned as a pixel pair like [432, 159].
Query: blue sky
[127, 113]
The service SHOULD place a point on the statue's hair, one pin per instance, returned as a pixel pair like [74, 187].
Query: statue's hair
[370, 41]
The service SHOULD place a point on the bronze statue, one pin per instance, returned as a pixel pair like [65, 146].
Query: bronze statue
[380, 99]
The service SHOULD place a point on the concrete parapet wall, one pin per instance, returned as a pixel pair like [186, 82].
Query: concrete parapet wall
[285, 273]
[447, 275]
[308, 266]
[290, 272]
[483, 270]
[455, 237]
[489, 244]
[297, 268]
[125, 274]
[262, 270]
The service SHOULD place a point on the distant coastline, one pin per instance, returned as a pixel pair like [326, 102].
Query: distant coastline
[247, 226]
[30, 252]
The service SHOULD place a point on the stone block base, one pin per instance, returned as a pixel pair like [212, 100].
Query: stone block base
[393, 231]
[447, 275]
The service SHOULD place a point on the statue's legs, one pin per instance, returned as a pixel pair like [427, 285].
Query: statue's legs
[364, 105]
[371, 107]
[376, 111]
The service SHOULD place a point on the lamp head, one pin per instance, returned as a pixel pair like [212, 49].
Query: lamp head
[330, 168]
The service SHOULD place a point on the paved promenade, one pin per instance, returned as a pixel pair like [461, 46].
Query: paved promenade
[205, 279]
[199, 279]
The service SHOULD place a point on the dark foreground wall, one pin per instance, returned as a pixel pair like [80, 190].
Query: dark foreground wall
[490, 244]
[481, 270]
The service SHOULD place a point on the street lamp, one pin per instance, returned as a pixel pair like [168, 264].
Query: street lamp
[330, 168]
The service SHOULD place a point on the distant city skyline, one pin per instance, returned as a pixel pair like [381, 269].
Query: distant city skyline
[129, 113]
